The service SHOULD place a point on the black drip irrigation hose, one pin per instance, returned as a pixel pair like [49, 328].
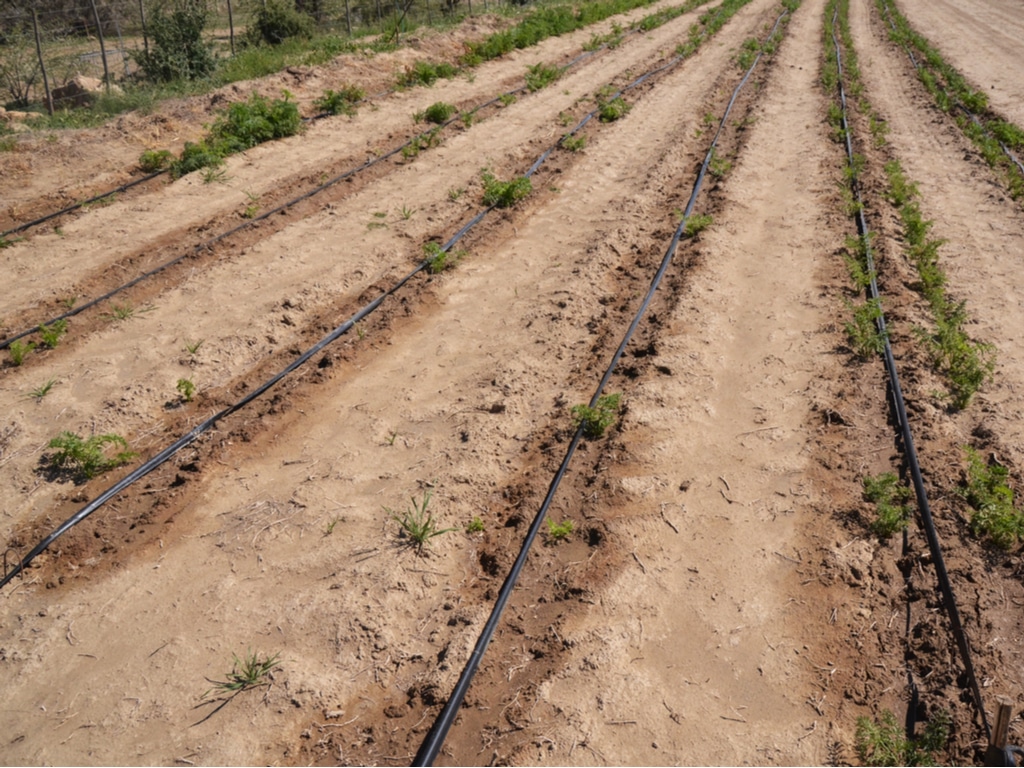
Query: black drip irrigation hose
[167, 453]
[973, 117]
[903, 423]
[255, 220]
[434, 740]
[76, 206]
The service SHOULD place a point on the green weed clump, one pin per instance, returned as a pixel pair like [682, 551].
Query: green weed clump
[574, 143]
[438, 113]
[889, 498]
[559, 531]
[505, 194]
[251, 671]
[187, 389]
[153, 160]
[52, 333]
[696, 224]
[541, 75]
[276, 21]
[596, 420]
[612, 110]
[418, 525]
[863, 332]
[87, 457]
[988, 494]
[426, 73]
[244, 125]
[886, 742]
[438, 260]
[19, 350]
[341, 102]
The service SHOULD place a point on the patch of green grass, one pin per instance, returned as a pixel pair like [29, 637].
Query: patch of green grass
[42, 391]
[748, 51]
[505, 194]
[991, 500]
[340, 102]
[51, 334]
[596, 420]
[251, 671]
[455, 193]
[886, 742]
[890, 500]
[541, 75]
[121, 311]
[559, 531]
[418, 525]
[19, 350]
[87, 457]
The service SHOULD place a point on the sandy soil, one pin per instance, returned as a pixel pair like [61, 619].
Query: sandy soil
[721, 600]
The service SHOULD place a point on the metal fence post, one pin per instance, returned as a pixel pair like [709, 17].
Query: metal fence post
[103, 47]
[42, 65]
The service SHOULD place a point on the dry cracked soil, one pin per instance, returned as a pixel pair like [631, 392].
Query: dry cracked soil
[720, 599]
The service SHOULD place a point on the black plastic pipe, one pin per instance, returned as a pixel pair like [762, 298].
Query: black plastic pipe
[434, 740]
[903, 423]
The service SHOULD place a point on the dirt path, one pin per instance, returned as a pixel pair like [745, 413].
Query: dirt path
[720, 601]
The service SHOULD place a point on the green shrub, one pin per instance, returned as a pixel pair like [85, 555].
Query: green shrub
[177, 50]
[889, 498]
[609, 111]
[276, 21]
[248, 123]
[341, 102]
[991, 499]
[155, 160]
[195, 156]
[541, 75]
[437, 113]
[596, 420]
[505, 194]
[86, 458]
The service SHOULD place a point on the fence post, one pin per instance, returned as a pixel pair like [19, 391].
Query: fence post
[231, 27]
[145, 37]
[42, 66]
[103, 47]
[348, 19]
[380, 18]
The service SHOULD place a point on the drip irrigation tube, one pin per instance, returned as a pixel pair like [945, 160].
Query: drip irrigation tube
[255, 220]
[434, 740]
[903, 423]
[167, 453]
[960, 105]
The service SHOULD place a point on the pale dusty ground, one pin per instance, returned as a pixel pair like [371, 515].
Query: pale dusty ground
[719, 603]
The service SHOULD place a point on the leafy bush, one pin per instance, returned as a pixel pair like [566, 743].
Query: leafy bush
[277, 20]
[597, 419]
[87, 458]
[609, 111]
[341, 102]
[890, 500]
[505, 194]
[992, 500]
[437, 113]
[177, 50]
[155, 160]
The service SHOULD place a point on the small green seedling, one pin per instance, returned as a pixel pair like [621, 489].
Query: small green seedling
[507, 98]
[596, 420]
[86, 457]
[560, 531]
[187, 389]
[505, 194]
[42, 391]
[610, 111]
[988, 492]
[19, 350]
[418, 525]
[407, 213]
[439, 112]
[193, 346]
[330, 526]
[574, 143]
[476, 525]
[438, 260]
[51, 333]
[252, 671]
[890, 500]
[455, 193]
[886, 742]
[696, 224]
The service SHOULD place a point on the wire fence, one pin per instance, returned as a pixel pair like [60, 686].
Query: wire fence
[45, 47]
